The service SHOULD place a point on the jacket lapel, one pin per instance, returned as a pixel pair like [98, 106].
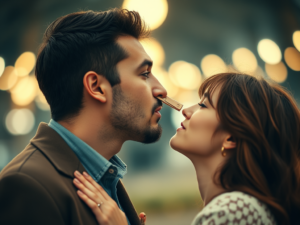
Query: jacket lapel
[126, 204]
[52, 145]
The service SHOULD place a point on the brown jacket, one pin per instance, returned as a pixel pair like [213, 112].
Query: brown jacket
[36, 186]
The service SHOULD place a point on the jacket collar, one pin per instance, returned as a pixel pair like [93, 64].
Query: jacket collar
[51, 144]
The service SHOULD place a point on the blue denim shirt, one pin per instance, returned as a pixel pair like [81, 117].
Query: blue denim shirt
[104, 172]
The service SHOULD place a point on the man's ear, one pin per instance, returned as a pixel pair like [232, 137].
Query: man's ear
[229, 142]
[97, 86]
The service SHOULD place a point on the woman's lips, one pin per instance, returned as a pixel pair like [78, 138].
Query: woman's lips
[181, 128]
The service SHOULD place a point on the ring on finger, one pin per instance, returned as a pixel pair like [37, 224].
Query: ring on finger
[99, 204]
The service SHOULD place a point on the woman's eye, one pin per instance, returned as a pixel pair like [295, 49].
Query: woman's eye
[202, 105]
[146, 74]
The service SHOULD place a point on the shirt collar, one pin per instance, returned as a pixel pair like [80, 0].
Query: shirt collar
[95, 164]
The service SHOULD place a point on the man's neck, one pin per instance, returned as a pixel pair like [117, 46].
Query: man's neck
[105, 140]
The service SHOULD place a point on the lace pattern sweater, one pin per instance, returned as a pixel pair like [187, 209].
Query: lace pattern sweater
[234, 208]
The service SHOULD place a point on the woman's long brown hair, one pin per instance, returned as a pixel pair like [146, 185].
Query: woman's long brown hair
[264, 121]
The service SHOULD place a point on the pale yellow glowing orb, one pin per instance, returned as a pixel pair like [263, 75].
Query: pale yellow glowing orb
[155, 50]
[244, 60]
[2, 66]
[213, 64]
[25, 63]
[296, 39]
[8, 78]
[269, 51]
[277, 72]
[292, 58]
[41, 101]
[19, 121]
[185, 75]
[154, 12]
[25, 91]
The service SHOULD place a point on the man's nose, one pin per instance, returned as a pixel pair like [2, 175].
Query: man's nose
[158, 90]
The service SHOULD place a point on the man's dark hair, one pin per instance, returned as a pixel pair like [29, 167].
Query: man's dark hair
[77, 43]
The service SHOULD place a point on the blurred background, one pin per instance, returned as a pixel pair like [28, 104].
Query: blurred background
[191, 40]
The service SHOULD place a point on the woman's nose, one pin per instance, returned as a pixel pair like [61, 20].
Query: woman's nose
[187, 113]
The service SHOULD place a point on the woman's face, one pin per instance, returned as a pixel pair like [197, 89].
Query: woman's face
[200, 133]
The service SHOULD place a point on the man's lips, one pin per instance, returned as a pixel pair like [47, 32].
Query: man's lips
[156, 111]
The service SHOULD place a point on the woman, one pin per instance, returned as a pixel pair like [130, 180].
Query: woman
[243, 139]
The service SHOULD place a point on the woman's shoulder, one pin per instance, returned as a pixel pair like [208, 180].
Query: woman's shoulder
[234, 208]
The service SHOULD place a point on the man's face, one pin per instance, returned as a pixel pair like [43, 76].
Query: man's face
[135, 109]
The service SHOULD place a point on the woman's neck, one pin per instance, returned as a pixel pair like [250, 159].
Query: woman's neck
[205, 170]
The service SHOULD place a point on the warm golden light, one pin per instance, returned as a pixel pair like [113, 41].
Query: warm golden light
[25, 91]
[185, 75]
[277, 72]
[292, 58]
[2, 66]
[25, 63]
[19, 121]
[154, 12]
[269, 51]
[296, 39]
[212, 64]
[8, 78]
[41, 101]
[244, 60]
[163, 77]
[154, 50]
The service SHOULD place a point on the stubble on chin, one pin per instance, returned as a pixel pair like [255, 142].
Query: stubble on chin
[127, 117]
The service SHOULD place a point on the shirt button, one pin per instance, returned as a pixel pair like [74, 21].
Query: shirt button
[111, 171]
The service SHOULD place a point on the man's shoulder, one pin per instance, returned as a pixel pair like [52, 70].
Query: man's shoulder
[29, 158]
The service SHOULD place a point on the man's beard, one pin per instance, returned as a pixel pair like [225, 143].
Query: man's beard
[127, 116]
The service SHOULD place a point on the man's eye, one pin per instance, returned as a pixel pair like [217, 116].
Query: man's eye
[202, 105]
[146, 74]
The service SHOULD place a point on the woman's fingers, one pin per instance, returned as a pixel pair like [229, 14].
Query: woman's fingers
[84, 181]
[108, 213]
[96, 185]
[90, 203]
[93, 195]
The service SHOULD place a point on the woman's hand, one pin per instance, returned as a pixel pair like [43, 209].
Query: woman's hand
[103, 206]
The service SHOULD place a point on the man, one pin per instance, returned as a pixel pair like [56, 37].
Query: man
[97, 80]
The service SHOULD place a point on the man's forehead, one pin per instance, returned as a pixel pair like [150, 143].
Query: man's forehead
[132, 47]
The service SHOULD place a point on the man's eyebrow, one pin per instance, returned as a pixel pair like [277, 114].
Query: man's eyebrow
[144, 63]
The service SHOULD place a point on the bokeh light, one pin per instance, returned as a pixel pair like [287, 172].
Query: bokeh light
[163, 77]
[154, 50]
[2, 66]
[269, 51]
[41, 101]
[4, 154]
[292, 58]
[8, 78]
[25, 91]
[296, 39]
[212, 64]
[185, 75]
[154, 12]
[244, 60]
[277, 72]
[25, 63]
[19, 121]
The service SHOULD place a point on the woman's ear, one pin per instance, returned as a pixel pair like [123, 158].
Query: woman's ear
[97, 86]
[229, 142]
